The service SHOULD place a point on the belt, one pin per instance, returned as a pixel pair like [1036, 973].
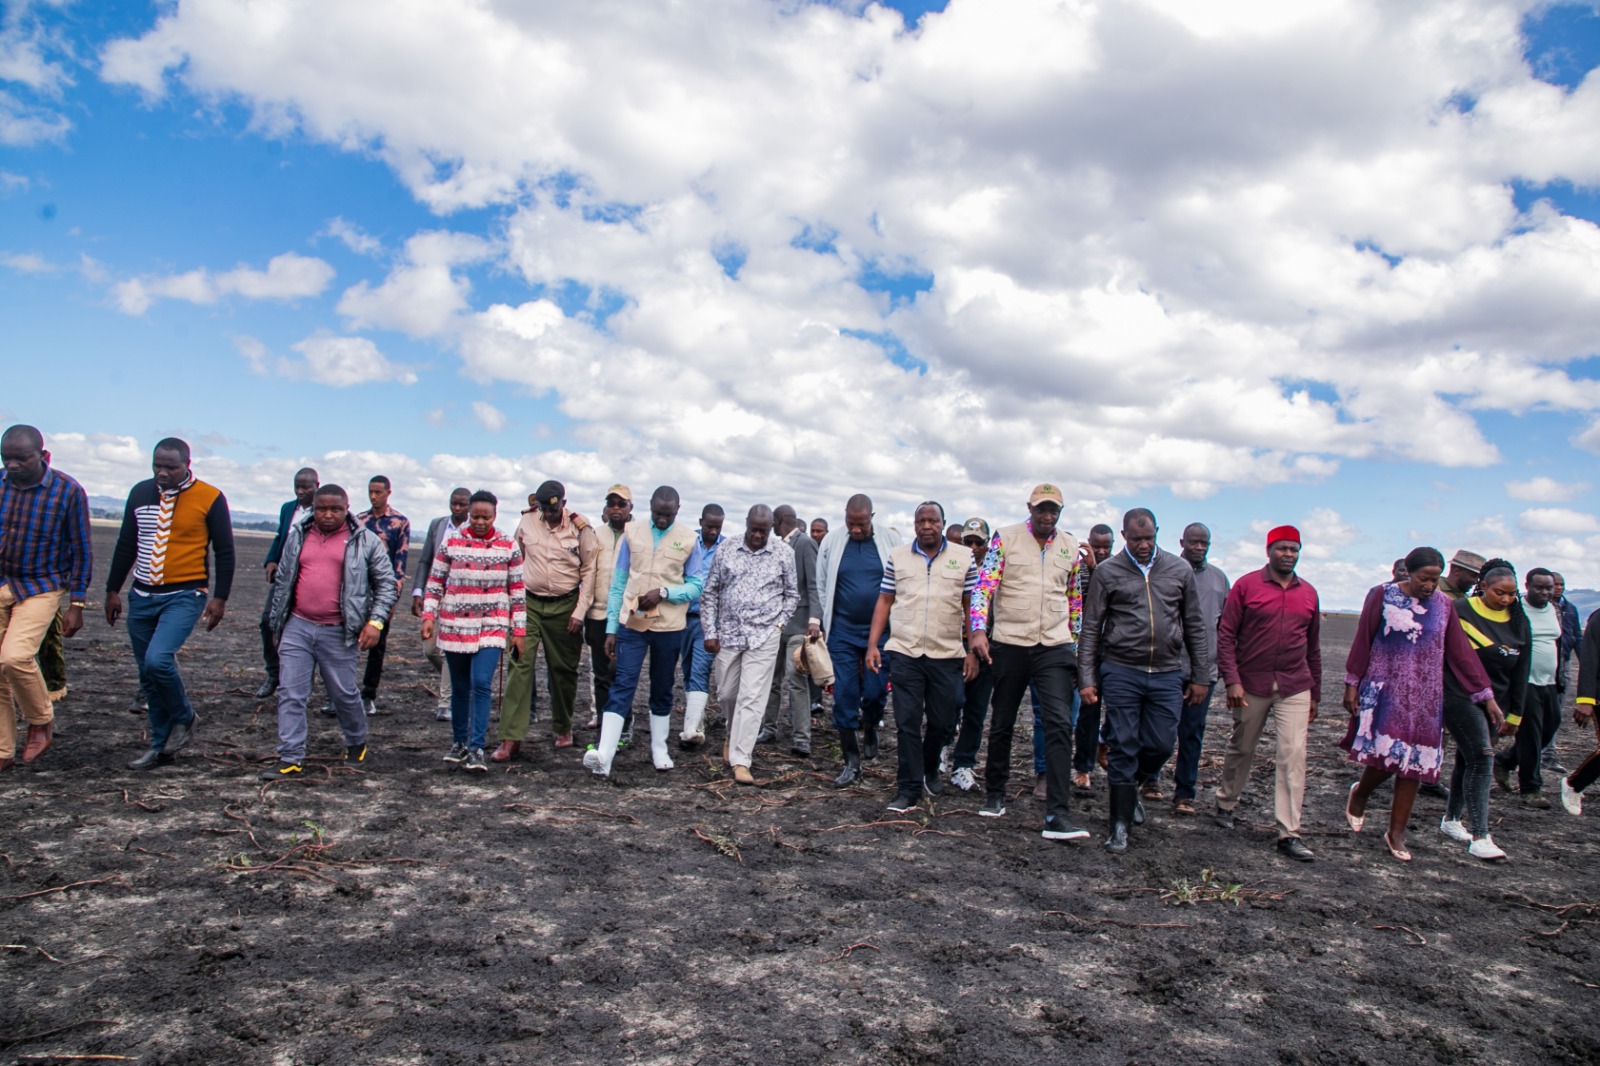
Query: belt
[552, 599]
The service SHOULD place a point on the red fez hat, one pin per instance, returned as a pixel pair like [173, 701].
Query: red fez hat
[1283, 533]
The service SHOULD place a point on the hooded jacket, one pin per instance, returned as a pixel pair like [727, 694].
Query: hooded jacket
[367, 590]
[1143, 623]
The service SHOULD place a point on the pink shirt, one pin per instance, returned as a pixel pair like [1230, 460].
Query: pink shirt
[316, 585]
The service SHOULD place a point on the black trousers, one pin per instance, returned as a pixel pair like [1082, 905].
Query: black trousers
[927, 697]
[269, 647]
[373, 674]
[601, 665]
[1053, 671]
[1541, 714]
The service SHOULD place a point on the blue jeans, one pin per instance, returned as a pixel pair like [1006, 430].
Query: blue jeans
[158, 624]
[471, 677]
[304, 648]
[857, 692]
[696, 660]
[1141, 715]
[632, 645]
[1191, 735]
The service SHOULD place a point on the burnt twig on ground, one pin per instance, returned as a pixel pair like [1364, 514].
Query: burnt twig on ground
[143, 806]
[1117, 921]
[585, 810]
[1422, 941]
[845, 954]
[724, 845]
[869, 825]
[75, 884]
[14, 1041]
[52, 958]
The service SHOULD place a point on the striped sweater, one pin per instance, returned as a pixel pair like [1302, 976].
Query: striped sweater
[474, 592]
[164, 539]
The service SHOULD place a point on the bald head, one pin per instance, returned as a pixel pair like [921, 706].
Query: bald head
[858, 517]
[24, 437]
[784, 519]
[757, 527]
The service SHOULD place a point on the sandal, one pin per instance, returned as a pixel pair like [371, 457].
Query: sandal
[1183, 806]
[1356, 821]
[1400, 853]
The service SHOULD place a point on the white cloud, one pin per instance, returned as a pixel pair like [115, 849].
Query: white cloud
[1545, 489]
[421, 297]
[343, 361]
[288, 276]
[1560, 520]
[13, 183]
[488, 416]
[352, 237]
[27, 263]
[253, 352]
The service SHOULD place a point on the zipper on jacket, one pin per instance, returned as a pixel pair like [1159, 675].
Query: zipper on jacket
[1151, 611]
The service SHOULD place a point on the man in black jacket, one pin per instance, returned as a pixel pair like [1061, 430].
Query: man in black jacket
[305, 487]
[1141, 614]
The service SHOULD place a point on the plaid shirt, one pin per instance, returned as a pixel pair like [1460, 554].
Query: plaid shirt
[394, 529]
[44, 537]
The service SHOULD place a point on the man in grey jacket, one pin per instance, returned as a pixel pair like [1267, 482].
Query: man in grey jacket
[785, 677]
[334, 590]
[439, 529]
[1142, 613]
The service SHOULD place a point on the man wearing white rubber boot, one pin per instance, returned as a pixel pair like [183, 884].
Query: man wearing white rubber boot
[646, 612]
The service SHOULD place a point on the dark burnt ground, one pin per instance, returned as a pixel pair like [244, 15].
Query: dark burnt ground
[406, 913]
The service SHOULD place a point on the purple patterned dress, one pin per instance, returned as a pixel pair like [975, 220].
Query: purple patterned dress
[1401, 649]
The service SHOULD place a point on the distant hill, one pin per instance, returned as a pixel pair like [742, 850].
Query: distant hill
[1587, 601]
[111, 507]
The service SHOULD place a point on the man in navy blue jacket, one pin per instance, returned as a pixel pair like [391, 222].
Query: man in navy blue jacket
[305, 488]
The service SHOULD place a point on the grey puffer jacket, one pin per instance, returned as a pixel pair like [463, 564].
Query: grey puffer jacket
[367, 590]
[1143, 624]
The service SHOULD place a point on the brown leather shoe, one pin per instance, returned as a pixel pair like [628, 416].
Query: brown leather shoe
[506, 751]
[1102, 755]
[1040, 789]
[5, 764]
[38, 740]
[741, 774]
[563, 740]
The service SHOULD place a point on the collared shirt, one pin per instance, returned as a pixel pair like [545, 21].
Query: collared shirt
[557, 561]
[1271, 636]
[749, 595]
[44, 537]
[321, 573]
[394, 529]
[1144, 568]
[1211, 586]
[699, 565]
[971, 582]
[687, 592]
[993, 570]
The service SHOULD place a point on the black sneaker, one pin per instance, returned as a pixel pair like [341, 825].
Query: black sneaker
[355, 754]
[1059, 827]
[151, 759]
[903, 803]
[932, 787]
[1223, 818]
[456, 754]
[476, 762]
[1296, 849]
[994, 806]
[283, 772]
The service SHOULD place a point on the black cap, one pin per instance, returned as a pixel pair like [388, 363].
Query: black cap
[551, 492]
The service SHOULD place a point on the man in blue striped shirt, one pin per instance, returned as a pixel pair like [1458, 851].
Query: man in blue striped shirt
[45, 561]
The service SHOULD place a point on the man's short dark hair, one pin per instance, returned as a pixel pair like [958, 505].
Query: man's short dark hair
[307, 470]
[379, 479]
[460, 490]
[935, 504]
[666, 494]
[1102, 530]
[858, 503]
[173, 444]
[712, 510]
[332, 490]
[484, 496]
[1138, 516]
[27, 435]
[1539, 571]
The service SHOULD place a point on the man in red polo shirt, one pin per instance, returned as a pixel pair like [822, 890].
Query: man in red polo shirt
[1270, 656]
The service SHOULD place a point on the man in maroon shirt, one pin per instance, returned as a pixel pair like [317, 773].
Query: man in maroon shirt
[1270, 656]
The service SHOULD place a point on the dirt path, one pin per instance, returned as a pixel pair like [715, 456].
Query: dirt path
[409, 914]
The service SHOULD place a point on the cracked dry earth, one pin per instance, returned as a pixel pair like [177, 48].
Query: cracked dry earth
[409, 914]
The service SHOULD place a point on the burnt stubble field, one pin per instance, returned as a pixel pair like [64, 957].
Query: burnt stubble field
[406, 913]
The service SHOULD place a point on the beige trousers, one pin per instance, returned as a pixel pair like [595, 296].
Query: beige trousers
[744, 676]
[22, 629]
[1291, 716]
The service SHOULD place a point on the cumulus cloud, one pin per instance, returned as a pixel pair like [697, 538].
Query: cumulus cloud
[423, 295]
[352, 237]
[343, 361]
[1558, 520]
[288, 277]
[27, 263]
[488, 416]
[1545, 489]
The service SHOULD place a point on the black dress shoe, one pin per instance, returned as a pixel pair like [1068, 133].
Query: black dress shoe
[1223, 818]
[1138, 808]
[268, 687]
[181, 734]
[801, 748]
[150, 760]
[869, 743]
[1296, 849]
[766, 736]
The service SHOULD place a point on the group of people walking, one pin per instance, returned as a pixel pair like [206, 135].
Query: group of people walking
[1119, 651]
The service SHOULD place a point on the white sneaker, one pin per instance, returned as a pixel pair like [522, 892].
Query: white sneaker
[1571, 799]
[963, 779]
[945, 755]
[1455, 831]
[1485, 849]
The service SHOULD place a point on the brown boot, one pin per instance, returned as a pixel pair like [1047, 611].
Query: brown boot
[38, 740]
[5, 764]
[1040, 790]
[506, 751]
[563, 740]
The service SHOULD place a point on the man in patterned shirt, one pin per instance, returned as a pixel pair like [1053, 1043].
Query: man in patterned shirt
[751, 590]
[394, 529]
[45, 561]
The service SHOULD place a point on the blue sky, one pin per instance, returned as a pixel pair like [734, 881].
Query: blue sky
[1329, 263]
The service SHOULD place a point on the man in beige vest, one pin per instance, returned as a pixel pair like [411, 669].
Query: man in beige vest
[924, 601]
[645, 613]
[616, 515]
[1028, 590]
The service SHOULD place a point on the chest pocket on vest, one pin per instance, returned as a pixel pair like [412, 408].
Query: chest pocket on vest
[1057, 574]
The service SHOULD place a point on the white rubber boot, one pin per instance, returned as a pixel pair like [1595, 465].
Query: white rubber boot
[660, 729]
[598, 759]
[694, 719]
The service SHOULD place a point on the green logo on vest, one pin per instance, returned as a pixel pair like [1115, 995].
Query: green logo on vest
[1063, 551]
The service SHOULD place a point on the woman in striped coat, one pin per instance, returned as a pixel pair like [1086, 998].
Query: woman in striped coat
[473, 609]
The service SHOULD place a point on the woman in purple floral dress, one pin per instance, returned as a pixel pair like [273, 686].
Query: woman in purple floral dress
[1394, 690]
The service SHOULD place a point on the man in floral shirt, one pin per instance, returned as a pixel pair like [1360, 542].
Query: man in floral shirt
[394, 529]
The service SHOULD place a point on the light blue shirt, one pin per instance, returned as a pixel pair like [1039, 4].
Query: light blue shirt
[684, 593]
[1144, 568]
[699, 565]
